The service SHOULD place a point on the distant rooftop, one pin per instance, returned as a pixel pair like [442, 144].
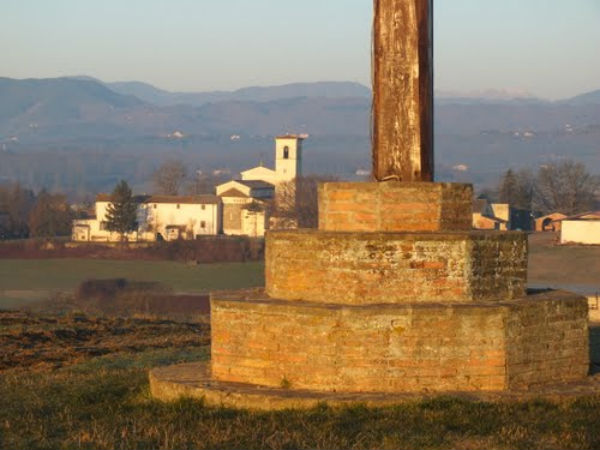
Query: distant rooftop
[175, 199]
[233, 193]
[292, 136]
[256, 184]
[590, 215]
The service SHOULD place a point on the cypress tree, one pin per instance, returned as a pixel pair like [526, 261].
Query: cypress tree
[121, 213]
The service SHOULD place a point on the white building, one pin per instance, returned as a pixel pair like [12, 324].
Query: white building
[246, 201]
[581, 229]
[159, 218]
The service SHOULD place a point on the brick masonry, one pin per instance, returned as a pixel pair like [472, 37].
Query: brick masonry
[531, 341]
[395, 206]
[369, 268]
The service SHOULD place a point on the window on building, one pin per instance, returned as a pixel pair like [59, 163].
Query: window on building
[203, 207]
[103, 226]
[203, 224]
[286, 152]
[178, 205]
[154, 206]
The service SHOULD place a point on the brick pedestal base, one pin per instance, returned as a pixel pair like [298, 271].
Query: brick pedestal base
[393, 294]
[534, 340]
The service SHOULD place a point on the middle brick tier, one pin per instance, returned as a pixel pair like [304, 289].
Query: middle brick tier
[392, 267]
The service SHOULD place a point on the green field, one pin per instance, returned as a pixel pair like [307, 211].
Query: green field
[24, 280]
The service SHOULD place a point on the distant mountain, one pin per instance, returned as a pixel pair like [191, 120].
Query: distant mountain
[88, 130]
[327, 89]
[34, 103]
[489, 95]
[589, 98]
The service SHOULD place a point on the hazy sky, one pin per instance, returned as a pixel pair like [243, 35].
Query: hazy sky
[548, 47]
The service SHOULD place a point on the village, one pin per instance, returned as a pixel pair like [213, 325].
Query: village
[245, 207]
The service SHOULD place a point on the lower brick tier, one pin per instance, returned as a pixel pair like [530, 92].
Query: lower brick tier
[536, 340]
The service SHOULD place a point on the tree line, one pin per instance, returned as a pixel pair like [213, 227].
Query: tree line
[565, 187]
[23, 213]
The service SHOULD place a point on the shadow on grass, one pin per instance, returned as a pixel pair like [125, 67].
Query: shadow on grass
[594, 348]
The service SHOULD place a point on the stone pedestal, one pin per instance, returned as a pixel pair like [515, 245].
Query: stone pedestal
[395, 294]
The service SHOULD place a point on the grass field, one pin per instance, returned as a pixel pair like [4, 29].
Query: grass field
[569, 266]
[23, 281]
[82, 382]
[71, 380]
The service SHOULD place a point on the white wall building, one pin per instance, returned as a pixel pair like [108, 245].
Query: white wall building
[581, 229]
[159, 218]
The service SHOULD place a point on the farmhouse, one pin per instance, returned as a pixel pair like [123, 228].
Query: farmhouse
[159, 217]
[500, 216]
[581, 229]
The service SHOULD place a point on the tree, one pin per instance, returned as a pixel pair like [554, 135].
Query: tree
[169, 177]
[566, 187]
[121, 213]
[15, 206]
[297, 200]
[516, 188]
[508, 187]
[50, 216]
[205, 182]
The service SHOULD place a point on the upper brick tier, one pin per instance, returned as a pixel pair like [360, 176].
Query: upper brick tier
[365, 268]
[395, 206]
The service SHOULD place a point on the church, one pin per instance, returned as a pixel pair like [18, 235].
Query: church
[246, 200]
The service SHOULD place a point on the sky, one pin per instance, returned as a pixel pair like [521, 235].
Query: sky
[549, 48]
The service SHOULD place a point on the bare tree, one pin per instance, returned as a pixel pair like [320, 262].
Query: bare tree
[15, 204]
[205, 183]
[169, 177]
[566, 187]
[297, 200]
[51, 216]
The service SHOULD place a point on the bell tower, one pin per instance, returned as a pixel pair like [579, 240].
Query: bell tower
[288, 157]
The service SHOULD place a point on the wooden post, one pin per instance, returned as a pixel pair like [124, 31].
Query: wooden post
[403, 90]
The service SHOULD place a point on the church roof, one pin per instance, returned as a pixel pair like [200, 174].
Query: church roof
[233, 193]
[256, 184]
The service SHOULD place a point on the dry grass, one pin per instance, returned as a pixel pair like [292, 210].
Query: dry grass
[76, 381]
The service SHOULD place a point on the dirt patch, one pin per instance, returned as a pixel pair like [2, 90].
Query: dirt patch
[42, 341]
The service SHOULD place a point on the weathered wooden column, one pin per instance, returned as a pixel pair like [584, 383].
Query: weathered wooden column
[403, 90]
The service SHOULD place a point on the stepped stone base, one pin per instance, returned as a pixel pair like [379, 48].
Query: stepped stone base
[494, 346]
[193, 380]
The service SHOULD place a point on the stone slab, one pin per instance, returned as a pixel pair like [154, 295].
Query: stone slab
[539, 339]
[395, 206]
[372, 268]
[193, 380]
